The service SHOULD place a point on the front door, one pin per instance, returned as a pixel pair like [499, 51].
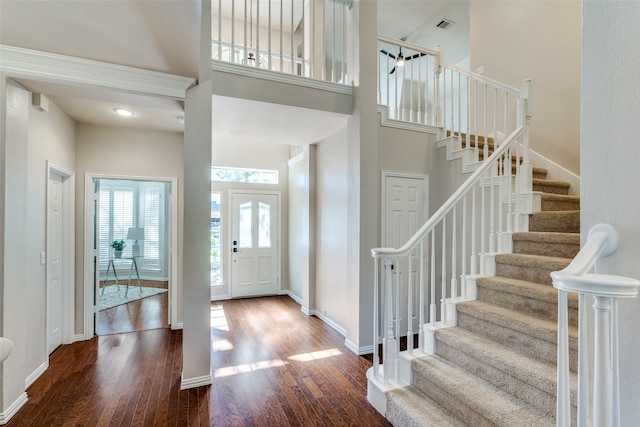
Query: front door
[254, 244]
[405, 210]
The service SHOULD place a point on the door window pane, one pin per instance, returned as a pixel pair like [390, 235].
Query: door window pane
[245, 225]
[216, 277]
[264, 226]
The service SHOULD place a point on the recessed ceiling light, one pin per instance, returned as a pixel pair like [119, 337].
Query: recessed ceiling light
[123, 112]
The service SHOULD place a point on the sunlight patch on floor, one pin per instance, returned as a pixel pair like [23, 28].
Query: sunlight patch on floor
[221, 344]
[218, 318]
[228, 371]
[316, 355]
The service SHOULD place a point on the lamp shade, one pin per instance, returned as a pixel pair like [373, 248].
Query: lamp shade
[135, 233]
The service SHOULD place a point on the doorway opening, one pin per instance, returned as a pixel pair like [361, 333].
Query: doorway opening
[132, 229]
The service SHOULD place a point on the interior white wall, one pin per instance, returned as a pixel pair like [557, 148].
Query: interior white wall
[609, 160]
[538, 40]
[302, 228]
[332, 201]
[125, 151]
[406, 151]
[51, 137]
[363, 180]
[246, 154]
[13, 247]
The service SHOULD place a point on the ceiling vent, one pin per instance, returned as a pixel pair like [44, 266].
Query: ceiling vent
[445, 24]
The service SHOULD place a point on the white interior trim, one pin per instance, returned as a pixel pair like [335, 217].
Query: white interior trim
[383, 195]
[89, 307]
[13, 408]
[36, 374]
[275, 76]
[278, 194]
[69, 266]
[51, 67]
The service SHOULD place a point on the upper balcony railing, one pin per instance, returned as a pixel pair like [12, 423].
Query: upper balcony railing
[296, 37]
[416, 85]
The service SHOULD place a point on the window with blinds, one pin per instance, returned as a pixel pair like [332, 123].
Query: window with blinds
[125, 204]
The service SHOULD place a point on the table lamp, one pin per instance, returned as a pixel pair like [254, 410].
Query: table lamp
[135, 233]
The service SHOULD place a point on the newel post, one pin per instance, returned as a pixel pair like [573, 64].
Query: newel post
[437, 70]
[602, 400]
[389, 340]
[524, 118]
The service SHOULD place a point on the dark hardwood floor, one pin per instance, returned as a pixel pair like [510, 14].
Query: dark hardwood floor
[271, 366]
[141, 315]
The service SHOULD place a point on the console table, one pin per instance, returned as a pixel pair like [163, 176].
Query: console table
[112, 265]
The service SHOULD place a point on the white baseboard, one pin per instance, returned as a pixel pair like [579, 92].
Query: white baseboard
[5, 416]
[176, 326]
[291, 295]
[36, 374]
[195, 382]
[77, 337]
[342, 331]
[556, 172]
[360, 351]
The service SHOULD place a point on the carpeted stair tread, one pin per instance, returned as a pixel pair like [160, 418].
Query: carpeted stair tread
[471, 399]
[409, 407]
[530, 298]
[540, 173]
[551, 186]
[539, 328]
[529, 379]
[555, 221]
[534, 268]
[564, 245]
[559, 202]
[536, 261]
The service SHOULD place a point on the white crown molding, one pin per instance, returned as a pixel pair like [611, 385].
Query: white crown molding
[274, 76]
[50, 67]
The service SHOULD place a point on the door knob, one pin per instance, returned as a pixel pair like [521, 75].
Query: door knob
[235, 249]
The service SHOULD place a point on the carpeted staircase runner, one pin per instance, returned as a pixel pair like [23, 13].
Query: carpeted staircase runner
[498, 366]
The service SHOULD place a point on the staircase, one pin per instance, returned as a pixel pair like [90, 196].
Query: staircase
[497, 367]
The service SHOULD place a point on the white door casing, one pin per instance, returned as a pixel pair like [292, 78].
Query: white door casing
[91, 275]
[255, 243]
[404, 212]
[55, 255]
[59, 257]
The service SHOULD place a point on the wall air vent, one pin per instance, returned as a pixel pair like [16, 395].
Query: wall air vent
[445, 24]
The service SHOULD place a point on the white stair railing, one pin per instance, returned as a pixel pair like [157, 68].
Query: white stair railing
[599, 389]
[297, 37]
[416, 85]
[416, 284]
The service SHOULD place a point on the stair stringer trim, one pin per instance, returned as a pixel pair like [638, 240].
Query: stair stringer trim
[469, 163]
[386, 121]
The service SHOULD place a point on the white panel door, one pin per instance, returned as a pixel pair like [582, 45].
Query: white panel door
[404, 213]
[55, 253]
[254, 244]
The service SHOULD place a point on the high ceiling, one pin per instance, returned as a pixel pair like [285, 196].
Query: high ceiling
[162, 35]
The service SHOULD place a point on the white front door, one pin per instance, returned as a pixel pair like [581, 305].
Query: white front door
[405, 210]
[55, 253]
[255, 245]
